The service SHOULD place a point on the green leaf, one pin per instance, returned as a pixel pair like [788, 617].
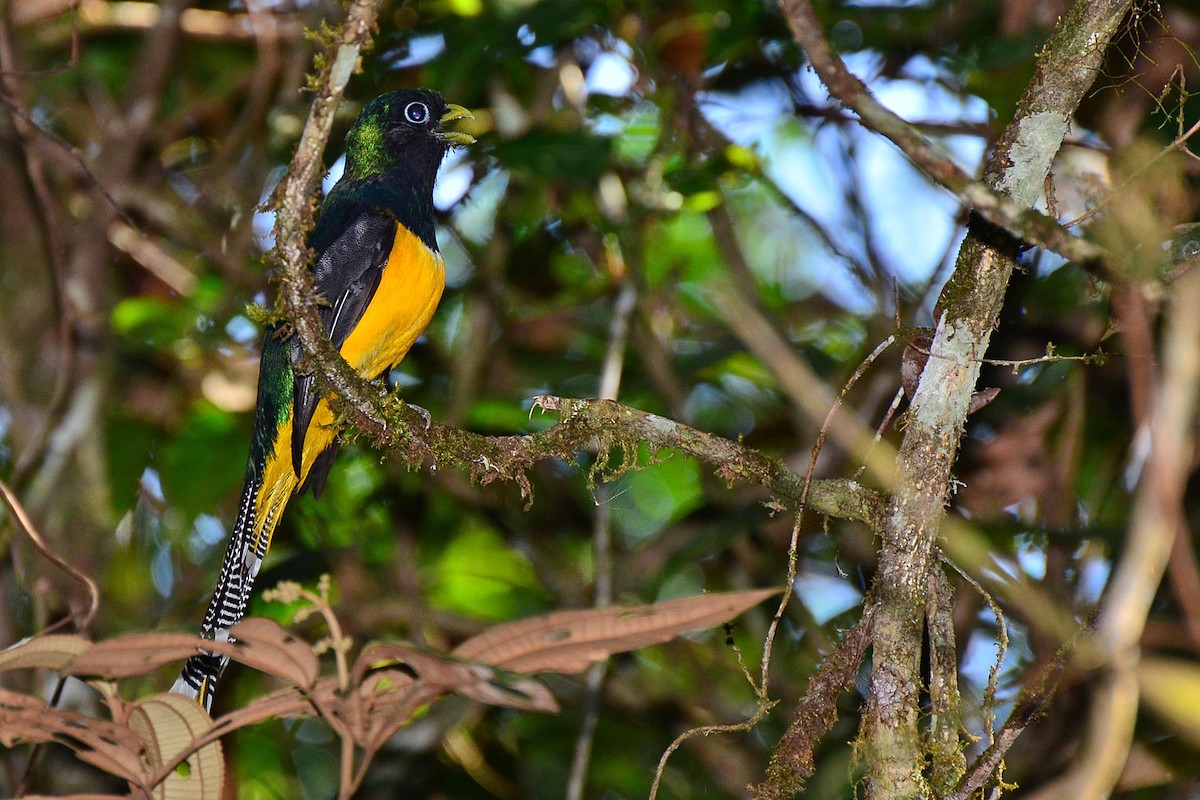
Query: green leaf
[646, 501]
[478, 574]
[205, 463]
[570, 156]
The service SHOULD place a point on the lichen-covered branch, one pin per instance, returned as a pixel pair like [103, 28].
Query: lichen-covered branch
[792, 762]
[893, 755]
[606, 425]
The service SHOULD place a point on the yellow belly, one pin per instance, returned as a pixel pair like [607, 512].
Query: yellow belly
[402, 306]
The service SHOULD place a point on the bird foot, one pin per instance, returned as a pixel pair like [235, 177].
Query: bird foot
[425, 415]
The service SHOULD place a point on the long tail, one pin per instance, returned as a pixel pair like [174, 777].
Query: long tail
[243, 557]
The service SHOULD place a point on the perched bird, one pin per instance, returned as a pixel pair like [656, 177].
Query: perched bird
[378, 268]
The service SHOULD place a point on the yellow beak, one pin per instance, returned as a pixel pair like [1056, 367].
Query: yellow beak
[456, 112]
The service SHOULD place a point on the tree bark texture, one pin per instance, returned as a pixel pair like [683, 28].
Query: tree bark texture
[893, 757]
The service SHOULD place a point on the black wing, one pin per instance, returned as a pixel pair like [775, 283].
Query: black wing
[347, 274]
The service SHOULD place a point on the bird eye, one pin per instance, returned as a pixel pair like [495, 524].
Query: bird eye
[416, 112]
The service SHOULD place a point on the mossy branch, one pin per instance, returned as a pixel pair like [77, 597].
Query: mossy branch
[606, 425]
[294, 201]
[894, 756]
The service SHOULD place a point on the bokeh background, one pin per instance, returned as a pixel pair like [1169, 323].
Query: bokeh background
[636, 162]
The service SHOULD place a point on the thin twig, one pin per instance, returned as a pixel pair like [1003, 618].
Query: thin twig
[816, 712]
[993, 683]
[1179, 143]
[77, 159]
[793, 544]
[610, 386]
[892, 408]
[761, 686]
[1050, 358]
[1029, 706]
[83, 622]
[72, 58]
[1018, 364]
[49, 227]
[707, 730]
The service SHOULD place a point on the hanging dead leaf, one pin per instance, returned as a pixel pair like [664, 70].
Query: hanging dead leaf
[450, 674]
[55, 651]
[570, 641]
[112, 748]
[75, 797]
[1014, 469]
[168, 723]
[982, 399]
[140, 653]
[267, 647]
[912, 364]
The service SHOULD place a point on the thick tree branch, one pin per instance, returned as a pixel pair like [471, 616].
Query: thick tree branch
[970, 304]
[607, 425]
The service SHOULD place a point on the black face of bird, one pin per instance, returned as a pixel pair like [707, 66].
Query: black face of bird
[403, 128]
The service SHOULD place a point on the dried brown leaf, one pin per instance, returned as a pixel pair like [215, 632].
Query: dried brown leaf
[446, 673]
[382, 681]
[140, 653]
[169, 723]
[377, 656]
[570, 641]
[75, 797]
[982, 399]
[267, 647]
[481, 682]
[287, 702]
[523, 694]
[112, 748]
[392, 710]
[54, 651]
[912, 364]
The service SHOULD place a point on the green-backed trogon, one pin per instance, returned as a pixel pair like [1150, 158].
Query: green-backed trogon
[378, 269]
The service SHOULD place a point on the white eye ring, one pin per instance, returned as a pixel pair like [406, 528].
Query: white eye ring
[416, 112]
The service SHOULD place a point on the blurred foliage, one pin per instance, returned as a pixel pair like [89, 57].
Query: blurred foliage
[614, 140]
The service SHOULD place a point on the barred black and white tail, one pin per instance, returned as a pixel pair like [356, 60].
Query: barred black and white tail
[243, 557]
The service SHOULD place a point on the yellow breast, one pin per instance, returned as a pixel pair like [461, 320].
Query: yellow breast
[402, 306]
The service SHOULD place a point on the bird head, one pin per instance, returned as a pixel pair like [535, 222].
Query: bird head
[403, 129]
